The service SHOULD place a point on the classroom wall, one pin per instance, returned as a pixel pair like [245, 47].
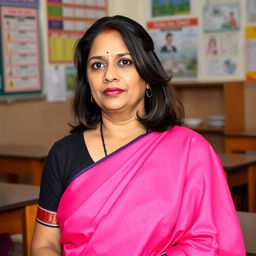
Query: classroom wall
[41, 122]
[34, 122]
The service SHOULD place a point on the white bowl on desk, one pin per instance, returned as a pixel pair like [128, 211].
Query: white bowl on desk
[216, 121]
[216, 117]
[193, 122]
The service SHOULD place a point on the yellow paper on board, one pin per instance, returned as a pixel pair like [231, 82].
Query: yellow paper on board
[251, 53]
[62, 49]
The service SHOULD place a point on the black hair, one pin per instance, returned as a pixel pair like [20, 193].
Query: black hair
[162, 110]
[169, 34]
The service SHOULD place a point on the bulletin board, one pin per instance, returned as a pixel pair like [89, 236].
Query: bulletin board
[20, 61]
[221, 26]
[67, 22]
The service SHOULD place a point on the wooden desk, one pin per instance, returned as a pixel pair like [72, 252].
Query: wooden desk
[18, 205]
[240, 141]
[248, 225]
[240, 170]
[24, 160]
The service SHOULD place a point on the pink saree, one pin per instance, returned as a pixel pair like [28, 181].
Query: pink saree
[162, 193]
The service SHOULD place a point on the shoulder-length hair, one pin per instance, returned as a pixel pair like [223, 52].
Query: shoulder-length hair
[162, 110]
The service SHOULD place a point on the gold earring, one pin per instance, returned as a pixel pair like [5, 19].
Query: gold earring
[92, 101]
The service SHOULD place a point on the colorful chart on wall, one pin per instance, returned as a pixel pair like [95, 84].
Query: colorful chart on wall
[67, 22]
[176, 46]
[169, 7]
[20, 51]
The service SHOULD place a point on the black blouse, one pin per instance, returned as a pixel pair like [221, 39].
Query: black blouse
[65, 159]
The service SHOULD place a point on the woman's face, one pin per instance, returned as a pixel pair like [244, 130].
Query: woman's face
[115, 83]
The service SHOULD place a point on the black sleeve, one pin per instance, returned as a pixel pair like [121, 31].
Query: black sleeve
[52, 186]
[67, 157]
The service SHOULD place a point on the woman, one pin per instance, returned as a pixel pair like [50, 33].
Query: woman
[129, 180]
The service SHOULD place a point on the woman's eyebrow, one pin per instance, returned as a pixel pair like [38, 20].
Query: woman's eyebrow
[123, 54]
[102, 57]
[96, 58]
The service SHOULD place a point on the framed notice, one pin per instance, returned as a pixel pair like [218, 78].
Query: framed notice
[176, 43]
[20, 66]
[67, 22]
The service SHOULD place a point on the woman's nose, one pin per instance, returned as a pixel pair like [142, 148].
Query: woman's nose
[111, 74]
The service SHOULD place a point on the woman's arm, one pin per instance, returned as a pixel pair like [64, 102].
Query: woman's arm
[45, 241]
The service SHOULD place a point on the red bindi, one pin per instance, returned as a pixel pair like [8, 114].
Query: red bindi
[108, 29]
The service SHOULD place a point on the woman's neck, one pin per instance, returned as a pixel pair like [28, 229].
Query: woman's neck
[122, 128]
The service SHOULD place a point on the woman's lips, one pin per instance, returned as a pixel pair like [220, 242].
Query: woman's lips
[112, 91]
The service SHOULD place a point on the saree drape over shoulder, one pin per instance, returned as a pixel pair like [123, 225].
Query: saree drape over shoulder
[163, 192]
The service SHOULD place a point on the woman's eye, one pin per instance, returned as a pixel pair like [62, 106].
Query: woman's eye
[125, 62]
[97, 65]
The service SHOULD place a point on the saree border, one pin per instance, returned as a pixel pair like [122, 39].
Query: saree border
[46, 217]
[106, 157]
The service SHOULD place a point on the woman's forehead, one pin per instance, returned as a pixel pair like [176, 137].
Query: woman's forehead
[108, 42]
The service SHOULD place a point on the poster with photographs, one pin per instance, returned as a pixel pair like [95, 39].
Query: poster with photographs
[176, 46]
[170, 7]
[221, 16]
[221, 51]
[221, 24]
